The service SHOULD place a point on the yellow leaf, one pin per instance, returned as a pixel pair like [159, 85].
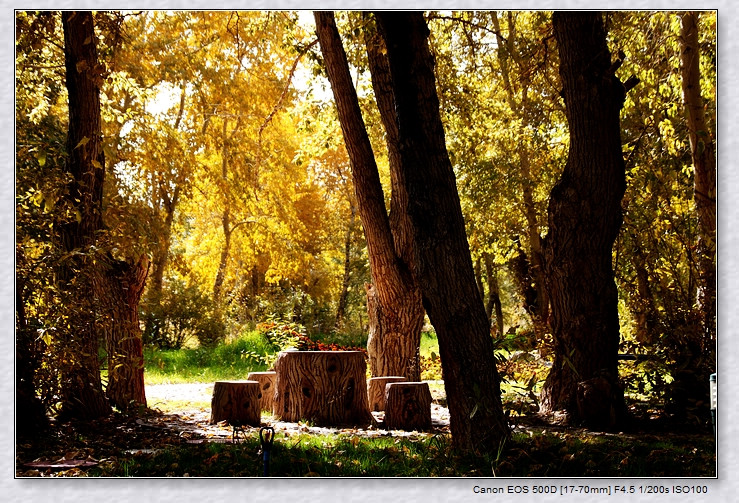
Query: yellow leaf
[97, 164]
[82, 142]
[78, 216]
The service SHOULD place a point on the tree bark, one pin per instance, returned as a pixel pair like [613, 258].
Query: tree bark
[408, 406]
[442, 265]
[326, 387]
[584, 221]
[376, 391]
[237, 402]
[266, 382]
[394, 305]
[83, 396]
[119, 286]
[703, 154]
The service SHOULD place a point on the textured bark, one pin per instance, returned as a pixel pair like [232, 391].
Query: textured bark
[376, 391]
[442, 265]
[703, 152]
[584, 221]
[83, 396]
[118, 286]
[408, 406]
[326, 387]
[394, 303]
[236, 402]
[266, 382]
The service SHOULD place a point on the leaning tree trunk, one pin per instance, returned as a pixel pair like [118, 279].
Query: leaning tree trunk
[394, 303]
[442, 264]
[118, 287]
[584, 221]
[83, 396]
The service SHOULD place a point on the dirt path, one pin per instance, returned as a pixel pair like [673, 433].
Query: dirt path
[187, 409]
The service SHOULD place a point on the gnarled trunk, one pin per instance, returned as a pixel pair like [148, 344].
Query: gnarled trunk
[584, 221]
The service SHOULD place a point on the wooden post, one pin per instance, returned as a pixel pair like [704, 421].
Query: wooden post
[326, 387]
[236, 402]
[266, 382]
[376, 393]
[407, 406]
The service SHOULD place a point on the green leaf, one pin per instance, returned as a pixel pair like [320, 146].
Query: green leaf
[474, 411]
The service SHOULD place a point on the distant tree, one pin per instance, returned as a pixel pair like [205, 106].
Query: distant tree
[584, 221]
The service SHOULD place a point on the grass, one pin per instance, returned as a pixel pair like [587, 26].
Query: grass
[233, 360]
[540, 454]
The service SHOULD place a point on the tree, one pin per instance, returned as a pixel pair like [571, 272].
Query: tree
[703, 154]
[393, 301]
[584, 220]
[442, 264]
[83, 395]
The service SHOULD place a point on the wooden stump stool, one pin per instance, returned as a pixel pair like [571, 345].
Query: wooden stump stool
[407, 406]
[326, 387]
[236, 402]
[376, 392]
[266, 382]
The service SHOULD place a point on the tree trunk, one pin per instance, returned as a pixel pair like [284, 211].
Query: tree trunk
[326, 387]
[376, 391]
[408, 406]
[119, 287]
[394, 305]
[266, 382]
[442, 264]
[83, 396]
[584, 221]
[704, 161]
[237, 402]
[494, 295]
[344, 296]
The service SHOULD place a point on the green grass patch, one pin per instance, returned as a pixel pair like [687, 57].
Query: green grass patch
[233, 360]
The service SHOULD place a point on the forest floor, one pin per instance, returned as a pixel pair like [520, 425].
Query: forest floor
[179, 415]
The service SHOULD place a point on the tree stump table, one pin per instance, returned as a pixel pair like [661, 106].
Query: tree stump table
[236, 402]
[326, 387]
[266, 382]
[376, 393]
[407, 406]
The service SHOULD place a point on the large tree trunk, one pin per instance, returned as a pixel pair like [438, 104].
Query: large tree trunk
[119, 287]
[584, 221]
[394, 305]
[704, 161]
[442, 265]
[83, 396]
